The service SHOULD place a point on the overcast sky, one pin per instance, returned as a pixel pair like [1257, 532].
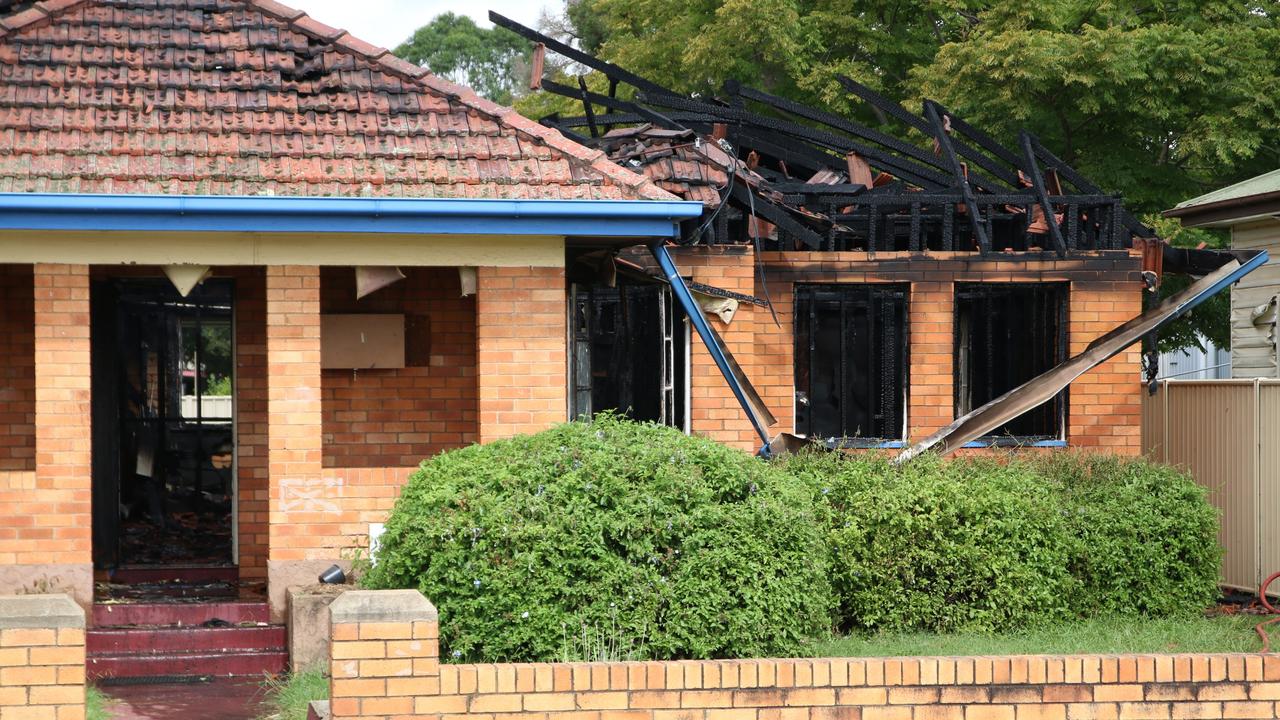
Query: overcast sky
[390, 22]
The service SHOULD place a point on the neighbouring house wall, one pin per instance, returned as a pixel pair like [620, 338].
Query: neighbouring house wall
[17, 369]
[1253, 346]
[384, 661]
[395, 418]
[1105, 291]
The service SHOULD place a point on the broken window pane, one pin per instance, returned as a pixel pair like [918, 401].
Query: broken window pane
[628, 352]
[851, 362]
[1007, 334]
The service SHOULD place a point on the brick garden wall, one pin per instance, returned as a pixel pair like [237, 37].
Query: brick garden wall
[384, 664]
[1105, 291]
[42, 658]
[17, 369]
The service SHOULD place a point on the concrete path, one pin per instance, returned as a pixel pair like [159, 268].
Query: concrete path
[237, 699]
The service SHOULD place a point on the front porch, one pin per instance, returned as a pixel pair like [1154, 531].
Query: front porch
[321, 442]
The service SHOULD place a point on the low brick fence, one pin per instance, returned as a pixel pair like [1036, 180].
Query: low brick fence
[385, 664]
[41, 658]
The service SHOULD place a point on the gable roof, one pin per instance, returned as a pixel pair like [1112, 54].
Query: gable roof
[1255, 197]
[250, 97]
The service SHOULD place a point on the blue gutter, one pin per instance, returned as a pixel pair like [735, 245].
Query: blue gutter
[434, 216]
[699, 321]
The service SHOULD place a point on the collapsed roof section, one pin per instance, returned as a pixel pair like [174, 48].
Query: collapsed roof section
[793, 177]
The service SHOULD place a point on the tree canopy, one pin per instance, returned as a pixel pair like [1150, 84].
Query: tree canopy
[491, 61]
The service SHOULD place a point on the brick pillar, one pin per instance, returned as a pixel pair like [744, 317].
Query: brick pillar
[51, 546]
[384, 654]
[521, 350]
[931, 323]
[1105, 405]
[301, 505]
[714, 411]
[41, 657]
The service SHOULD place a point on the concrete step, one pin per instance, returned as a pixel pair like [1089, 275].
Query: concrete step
[179, 613]
[168, 666]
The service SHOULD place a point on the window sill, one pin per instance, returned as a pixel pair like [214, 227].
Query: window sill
[1014, 442]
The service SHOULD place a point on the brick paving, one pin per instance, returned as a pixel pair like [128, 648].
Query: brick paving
[229, 699]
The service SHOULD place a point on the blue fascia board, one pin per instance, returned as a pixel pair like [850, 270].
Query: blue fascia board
[433, 216]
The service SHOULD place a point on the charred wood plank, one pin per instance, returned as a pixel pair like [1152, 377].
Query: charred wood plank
[944, 140]
[1037, 183]
[746, 200]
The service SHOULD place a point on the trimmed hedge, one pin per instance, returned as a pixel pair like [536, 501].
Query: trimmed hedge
[1008, 541]
[614, 540]
[648, 542]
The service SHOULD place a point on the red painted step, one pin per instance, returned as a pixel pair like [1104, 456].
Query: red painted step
[174, 613]
[171, 639]
[176, 574]
[170, 665]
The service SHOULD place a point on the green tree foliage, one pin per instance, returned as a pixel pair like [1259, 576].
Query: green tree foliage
[491, 61]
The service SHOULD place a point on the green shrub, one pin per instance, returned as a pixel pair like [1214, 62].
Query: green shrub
[673, 546]
[1010, 541]
[1146, 535]
[933, 545]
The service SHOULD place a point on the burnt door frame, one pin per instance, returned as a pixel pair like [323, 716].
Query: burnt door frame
[107, 296]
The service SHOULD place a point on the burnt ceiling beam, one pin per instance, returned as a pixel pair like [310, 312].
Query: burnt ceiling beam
[751, 203]
[588, 98]
[944, 141]
[608, 69]
[1037, 183]
[1083, 184]
[899, 167]
[875, 99]
[835, 122]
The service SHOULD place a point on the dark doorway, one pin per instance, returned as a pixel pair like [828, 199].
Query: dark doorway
[163, 440]
[851, 363]
[628, 352]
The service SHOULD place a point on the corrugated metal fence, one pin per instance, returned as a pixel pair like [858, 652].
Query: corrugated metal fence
[1226, 433]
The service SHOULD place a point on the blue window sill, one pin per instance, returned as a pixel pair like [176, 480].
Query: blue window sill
[1015, 443]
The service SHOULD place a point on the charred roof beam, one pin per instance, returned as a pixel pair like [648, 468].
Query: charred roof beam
[944, 141]
[1037, 183]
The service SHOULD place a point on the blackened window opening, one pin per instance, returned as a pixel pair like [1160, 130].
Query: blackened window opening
[628, 352]
[1007, 334]
[851, 362]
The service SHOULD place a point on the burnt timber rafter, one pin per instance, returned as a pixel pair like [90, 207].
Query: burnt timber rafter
[794, 166]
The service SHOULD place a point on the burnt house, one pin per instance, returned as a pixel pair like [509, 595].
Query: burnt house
[868, 289]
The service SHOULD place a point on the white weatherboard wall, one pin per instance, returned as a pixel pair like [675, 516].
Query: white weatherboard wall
[1253, 344]
[1226, 433]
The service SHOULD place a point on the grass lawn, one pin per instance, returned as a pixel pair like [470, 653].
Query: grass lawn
[1103, 636]
[288, 696]
[95, 704]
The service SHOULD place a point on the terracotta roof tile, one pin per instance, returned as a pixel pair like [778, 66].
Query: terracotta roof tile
[254, 97]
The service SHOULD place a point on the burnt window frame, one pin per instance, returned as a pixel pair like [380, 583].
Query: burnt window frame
[1061, 410]
[898, 332]
[675, 376]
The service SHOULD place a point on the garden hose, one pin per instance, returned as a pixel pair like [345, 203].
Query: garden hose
[1261, 628]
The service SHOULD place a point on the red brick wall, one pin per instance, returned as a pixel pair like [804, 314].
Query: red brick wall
[17, 369]
[251, 418]
[521, 329]
[1105, 292]
[51, 524]
[395, 418]
[301, 506]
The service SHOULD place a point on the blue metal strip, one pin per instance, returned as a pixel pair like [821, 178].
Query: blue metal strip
[699, 321]
[143, 213]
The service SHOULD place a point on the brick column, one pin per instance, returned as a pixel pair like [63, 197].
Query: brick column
[931, 323]
[521, 350]
[1105, 404]
[50, 547]
[714, 410]
[41, 657]
[384, 654]
[302, 506]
